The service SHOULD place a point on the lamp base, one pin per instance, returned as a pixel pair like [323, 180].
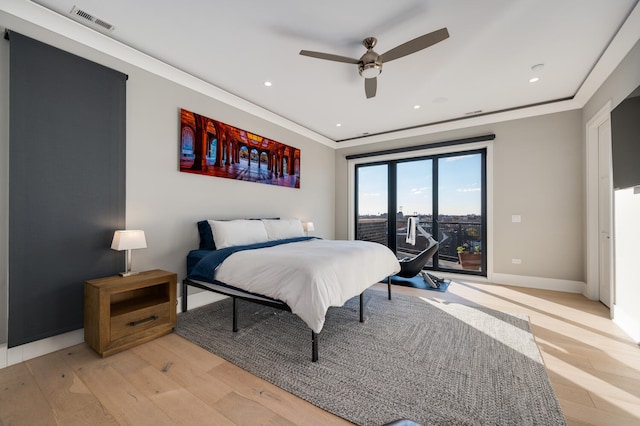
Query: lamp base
[128, 274]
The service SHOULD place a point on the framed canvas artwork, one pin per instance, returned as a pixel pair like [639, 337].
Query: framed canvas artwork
[213, 148]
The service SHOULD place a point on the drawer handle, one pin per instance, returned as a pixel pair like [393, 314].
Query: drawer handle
[142, 321]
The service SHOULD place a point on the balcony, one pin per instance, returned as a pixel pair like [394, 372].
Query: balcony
[453, 232]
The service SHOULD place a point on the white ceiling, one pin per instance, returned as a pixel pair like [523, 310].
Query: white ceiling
[485, 65]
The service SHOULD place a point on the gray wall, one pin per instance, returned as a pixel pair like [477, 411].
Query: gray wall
[162, 201]
[66, 184]
[537, 173]
[621, 83]
[4, 188]
[167, 203]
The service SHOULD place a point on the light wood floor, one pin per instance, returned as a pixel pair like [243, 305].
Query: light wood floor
[593, 366]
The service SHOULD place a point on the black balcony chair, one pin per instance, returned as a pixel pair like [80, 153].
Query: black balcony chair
[410, 267]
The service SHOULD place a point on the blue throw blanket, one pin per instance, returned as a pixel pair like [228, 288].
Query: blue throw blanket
[205, 269]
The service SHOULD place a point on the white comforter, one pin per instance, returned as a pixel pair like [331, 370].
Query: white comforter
[310, 276]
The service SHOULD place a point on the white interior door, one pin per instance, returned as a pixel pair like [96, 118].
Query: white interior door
[605, 189]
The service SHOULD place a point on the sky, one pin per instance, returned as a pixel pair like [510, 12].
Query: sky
[459, 186]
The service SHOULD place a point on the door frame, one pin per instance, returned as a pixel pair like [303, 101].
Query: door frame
[592, 290]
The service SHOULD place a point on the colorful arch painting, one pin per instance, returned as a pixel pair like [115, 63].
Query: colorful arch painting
[210, 147]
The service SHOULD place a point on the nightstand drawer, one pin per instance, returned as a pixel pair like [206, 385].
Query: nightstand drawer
[139, 320]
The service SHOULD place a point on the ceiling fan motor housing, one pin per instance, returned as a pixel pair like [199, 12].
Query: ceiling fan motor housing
[370, 65]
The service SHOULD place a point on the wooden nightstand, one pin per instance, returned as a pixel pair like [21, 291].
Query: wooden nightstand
[121, 312]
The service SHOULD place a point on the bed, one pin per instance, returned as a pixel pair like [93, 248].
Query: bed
[272, 262]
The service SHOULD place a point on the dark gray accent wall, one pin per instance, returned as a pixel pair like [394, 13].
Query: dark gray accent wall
[66, 185]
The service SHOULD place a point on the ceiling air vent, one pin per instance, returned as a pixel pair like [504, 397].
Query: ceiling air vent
[87, 17]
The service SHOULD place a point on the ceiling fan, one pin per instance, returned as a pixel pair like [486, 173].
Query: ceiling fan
[370, 64]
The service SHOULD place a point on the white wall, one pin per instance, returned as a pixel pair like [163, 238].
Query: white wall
[537, 173]
[627, 278]
[161, 200]
[167, 203]
[625, 310]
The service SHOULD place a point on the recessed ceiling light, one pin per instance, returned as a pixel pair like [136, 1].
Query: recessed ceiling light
[338, 125]
[416, 107]
[533, 80]
[267, 83]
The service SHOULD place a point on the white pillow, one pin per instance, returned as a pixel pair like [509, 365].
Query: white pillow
[283, 228]
[227, 233]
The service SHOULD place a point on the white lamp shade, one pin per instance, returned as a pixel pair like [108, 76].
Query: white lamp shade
[129, 239]
[310, 227]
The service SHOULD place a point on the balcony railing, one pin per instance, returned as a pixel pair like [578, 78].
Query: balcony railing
[452, 234]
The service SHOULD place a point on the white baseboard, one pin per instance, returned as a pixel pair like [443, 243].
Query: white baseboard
[520, 281]
[201, 298]
[540, 283]
[460, 277]
[628, 323]
[15, 355]
[10, 356]
[3, 355]
[42, 347]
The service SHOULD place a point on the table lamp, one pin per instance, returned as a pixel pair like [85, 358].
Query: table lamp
[309, 227]
[128, 240]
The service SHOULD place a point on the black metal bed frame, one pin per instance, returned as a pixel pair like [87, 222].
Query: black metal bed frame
[236, 293]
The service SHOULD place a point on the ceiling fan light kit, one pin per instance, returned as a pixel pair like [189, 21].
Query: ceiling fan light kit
[370, 70]
[370, 64]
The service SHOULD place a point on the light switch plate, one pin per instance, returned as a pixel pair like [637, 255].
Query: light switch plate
[516, 218]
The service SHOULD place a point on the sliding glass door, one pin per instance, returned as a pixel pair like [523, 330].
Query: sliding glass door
[372, 203]
[414, 193]
[461, 222]
[445, 195]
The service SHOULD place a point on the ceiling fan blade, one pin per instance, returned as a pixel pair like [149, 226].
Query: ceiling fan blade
[415, 45]
[370, 87]
[328, 56]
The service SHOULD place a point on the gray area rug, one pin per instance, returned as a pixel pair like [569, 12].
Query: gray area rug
[430, 362]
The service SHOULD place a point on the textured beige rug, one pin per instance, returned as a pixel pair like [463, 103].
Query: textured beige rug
[421, 360]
